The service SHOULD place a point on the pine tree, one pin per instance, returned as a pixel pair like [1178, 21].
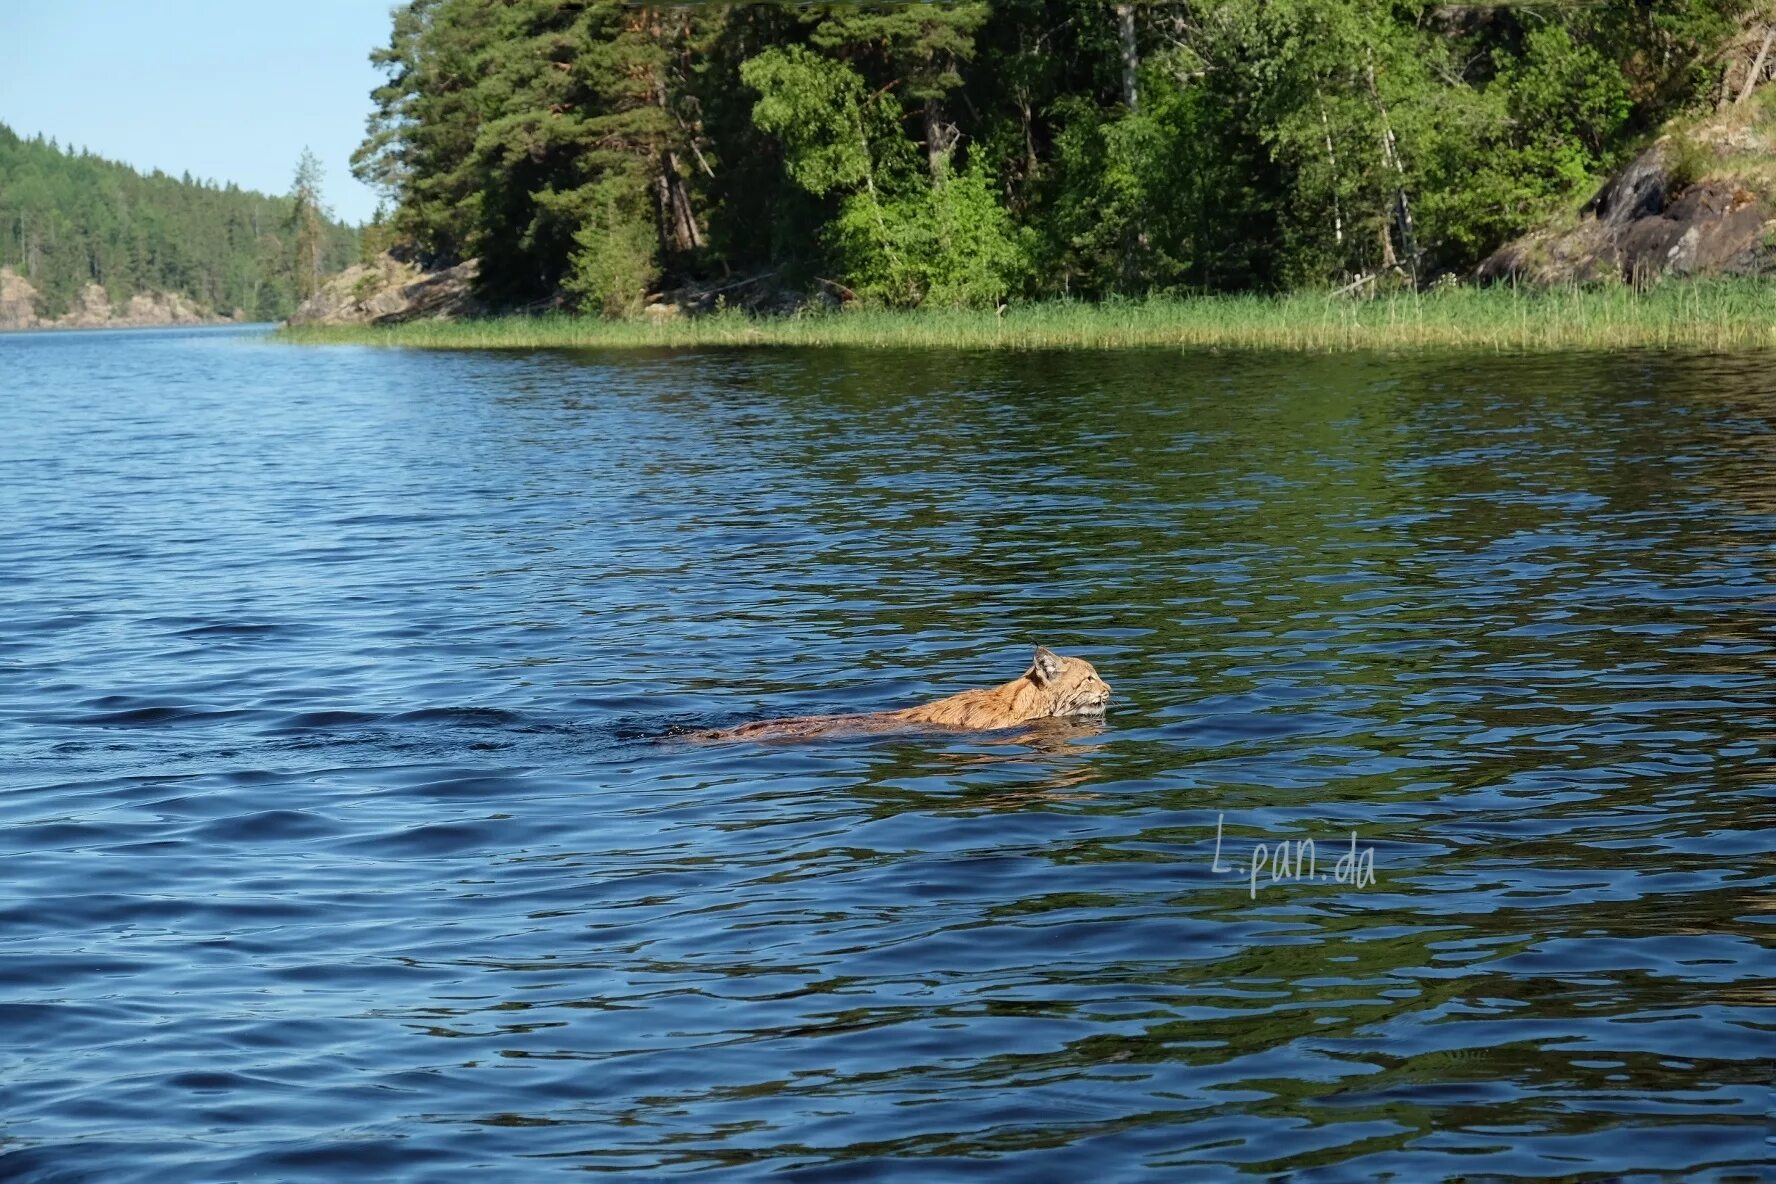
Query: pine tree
[595, 150]
[308, 230]
[915, 49]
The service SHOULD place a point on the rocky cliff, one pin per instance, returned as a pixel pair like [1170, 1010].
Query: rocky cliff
[396, 287]
[93, 309]
[1698, 202]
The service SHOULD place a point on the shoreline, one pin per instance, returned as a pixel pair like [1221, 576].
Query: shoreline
[1696, 315]
[115, 325]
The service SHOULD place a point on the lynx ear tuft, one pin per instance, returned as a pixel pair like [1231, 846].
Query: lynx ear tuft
[1047, 666]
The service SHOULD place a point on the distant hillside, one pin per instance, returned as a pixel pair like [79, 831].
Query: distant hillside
[70, 220]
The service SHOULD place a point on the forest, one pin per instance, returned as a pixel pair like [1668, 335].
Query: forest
[68, 219]
[590, 152]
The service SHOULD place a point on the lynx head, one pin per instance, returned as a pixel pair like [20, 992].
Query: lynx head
[1069, 686]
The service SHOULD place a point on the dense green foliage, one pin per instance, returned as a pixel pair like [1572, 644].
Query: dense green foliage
[967, 153]
[69, 219]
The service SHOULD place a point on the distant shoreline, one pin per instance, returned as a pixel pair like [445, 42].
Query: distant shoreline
[1697, 315]
[217, 323]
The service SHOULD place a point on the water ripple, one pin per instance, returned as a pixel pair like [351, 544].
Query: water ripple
[350, 832]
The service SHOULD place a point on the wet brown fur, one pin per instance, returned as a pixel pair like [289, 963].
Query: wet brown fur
[1053, 686]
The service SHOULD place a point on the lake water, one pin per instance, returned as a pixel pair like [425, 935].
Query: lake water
[345, 835]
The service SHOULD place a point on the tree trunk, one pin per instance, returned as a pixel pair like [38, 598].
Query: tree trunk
[686, 235]
[1332, 159]
[678, 221]
[869, 185]
[1390, 154]
[1131, 56]
[1026, 114]
[1757, 66]
[936, 142]
[1031, 163]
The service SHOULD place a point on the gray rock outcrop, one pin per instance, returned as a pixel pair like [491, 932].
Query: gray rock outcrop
[1691, 205]
[93, 309]
[393, 288]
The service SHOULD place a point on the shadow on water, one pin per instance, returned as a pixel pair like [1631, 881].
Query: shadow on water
[347, 831]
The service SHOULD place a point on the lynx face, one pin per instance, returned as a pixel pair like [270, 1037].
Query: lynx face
[1069, 686]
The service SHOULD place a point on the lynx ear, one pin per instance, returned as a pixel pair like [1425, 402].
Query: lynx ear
[1047, 666]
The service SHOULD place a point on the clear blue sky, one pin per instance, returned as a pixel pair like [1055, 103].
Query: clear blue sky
[228, 90]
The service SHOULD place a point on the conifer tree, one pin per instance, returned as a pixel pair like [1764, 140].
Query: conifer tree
[308, 226]
[595, 150]
[915, 49]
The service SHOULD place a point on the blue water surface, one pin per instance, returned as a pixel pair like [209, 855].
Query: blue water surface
[347, 833]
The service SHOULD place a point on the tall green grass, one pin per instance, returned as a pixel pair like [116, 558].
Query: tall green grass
[1696, 315]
